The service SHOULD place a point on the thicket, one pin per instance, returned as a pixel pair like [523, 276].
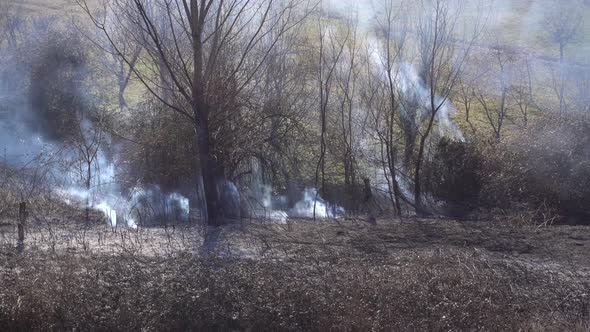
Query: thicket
[543, 169]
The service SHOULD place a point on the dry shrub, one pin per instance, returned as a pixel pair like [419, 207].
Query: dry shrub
[533, 176]
[530, 177]
[523, 215]
[431, 290]
[451, 175]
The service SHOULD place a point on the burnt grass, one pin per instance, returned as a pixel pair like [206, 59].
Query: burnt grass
[348, 275]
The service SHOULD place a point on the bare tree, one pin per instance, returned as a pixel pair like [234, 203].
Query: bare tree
[465, 96]
[348, 76]
[493, 98]
[331, 49]
[562, 24]
[394, 37]
[86, 142]
[442, 61]
[212, 44]
[522, 91]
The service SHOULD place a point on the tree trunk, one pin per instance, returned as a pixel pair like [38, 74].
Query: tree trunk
[22, 217]
[561, 79]
[417, 187]
[209, 172]
[349, 180]
[347, 186]
[88, 184]
[396, 190]
[200, 109]
[419, 158]
[122, 85]
[121, 97]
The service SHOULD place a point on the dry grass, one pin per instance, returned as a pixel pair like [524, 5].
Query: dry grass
[345, 276]
[428, 290]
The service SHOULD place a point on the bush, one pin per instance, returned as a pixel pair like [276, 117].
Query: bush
[538, 173]
[452, 176]
[546, 165]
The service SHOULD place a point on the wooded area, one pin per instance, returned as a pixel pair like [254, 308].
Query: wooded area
[239, 105]
[158, 115]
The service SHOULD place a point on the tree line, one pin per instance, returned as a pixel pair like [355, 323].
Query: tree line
[396, 107]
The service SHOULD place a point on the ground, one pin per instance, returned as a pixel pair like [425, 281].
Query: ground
[559, 244]
[415, 274]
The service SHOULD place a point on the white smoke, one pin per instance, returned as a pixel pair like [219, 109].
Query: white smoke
[151, 205]
[411, 88]
[312, 205]
[111, 214]
[261, 202]
[105, 194]
[182, 201]
[146, 205]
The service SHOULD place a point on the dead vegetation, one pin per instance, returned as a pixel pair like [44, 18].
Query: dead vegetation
[345, 276]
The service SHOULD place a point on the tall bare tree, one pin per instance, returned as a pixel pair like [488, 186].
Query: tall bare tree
[210, 45]
[465, 96]
[394, 36]
[443, 53]
[493, 98]
[522, 90]
[348, 76]
[86, 142]
[331, 48]
[563, 24]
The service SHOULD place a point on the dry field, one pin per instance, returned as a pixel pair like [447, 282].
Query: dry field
[345, 275]
[251, 238]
